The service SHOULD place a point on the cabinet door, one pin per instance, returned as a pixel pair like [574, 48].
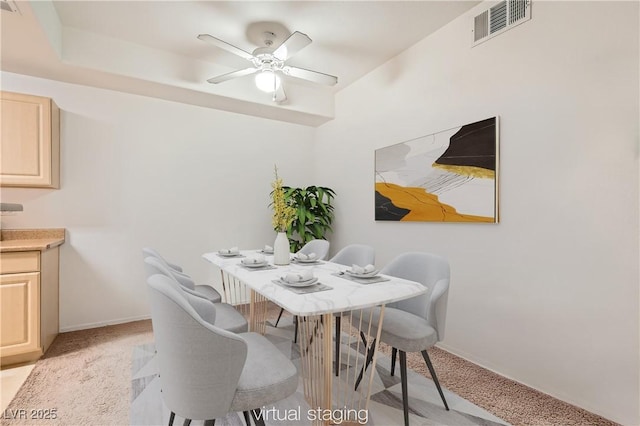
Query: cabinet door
[19, 313]
[29, 141]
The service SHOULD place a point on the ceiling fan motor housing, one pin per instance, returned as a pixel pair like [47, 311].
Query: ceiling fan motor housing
[264, 60]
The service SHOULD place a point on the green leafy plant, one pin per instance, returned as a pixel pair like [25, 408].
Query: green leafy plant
[314, 214]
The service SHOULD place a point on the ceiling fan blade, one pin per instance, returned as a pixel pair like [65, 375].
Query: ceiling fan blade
[279, 96]
[226, 46]
[292, 45]
[231, 75]
[315, 76]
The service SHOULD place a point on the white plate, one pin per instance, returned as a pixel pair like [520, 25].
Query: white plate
[306, 283]
[306, 260]
[255, 265]
[371, 274]
[237, 253]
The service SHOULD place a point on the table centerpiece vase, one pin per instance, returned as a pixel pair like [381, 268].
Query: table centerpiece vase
[281, 249]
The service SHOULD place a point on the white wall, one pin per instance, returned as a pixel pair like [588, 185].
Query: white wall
[138, 171]
[549, 296]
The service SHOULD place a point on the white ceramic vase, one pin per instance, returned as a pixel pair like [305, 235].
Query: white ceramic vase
[281, 249]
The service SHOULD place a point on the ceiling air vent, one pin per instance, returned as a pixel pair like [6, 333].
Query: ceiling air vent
[499, 18]
[9, 6]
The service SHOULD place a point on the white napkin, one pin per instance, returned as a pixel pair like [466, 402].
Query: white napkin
[253, 260]
[303, 256]
[355, 269]
[296, 277]
[267, 249]
[232, 250]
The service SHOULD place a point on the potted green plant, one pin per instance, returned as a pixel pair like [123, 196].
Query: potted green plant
[314, 214]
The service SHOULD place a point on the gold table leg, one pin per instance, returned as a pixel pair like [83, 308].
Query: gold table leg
[334, 399]
[249, 303]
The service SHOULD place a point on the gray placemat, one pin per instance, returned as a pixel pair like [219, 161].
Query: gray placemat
[261, 268]
[303, 290]
[376, 279]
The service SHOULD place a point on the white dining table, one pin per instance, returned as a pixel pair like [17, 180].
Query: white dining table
[251, 289]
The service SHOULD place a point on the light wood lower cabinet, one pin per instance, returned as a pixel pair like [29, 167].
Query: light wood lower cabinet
[20, 307]
[28, 304]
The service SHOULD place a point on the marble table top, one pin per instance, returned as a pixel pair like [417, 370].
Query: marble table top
[345, 295]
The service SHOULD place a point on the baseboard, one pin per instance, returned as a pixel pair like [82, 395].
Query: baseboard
[103, 323]
[468, 357]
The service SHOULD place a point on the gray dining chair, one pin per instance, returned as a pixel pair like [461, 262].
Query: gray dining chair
[184, 279]
[416, 324]
[227, 317]
[221, 372]
[358, 254]
[319, 247]
[148, 251]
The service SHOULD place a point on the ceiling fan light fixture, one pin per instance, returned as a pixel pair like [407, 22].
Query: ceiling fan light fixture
[267, 81]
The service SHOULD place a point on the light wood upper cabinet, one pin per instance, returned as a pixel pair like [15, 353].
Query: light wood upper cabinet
[29, 141]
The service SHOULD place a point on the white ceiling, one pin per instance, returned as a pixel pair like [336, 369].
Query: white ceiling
[150, 47]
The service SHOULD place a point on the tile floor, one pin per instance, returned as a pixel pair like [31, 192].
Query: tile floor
[10, 381]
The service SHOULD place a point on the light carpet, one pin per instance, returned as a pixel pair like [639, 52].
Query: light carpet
[85, 376]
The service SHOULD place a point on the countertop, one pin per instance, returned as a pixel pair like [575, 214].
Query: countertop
[30, 239]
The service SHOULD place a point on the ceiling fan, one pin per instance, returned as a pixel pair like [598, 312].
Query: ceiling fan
[269, 63]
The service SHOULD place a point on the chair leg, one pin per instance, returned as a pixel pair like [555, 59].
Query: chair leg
[211, 422]
[370, 352]
[247, 420]
[315, 332]
[187, 422]
[338, 328]
[295, 330]
[279, 316]
[425, 355]
[394, 354]
[258, 419]
[403, 377]
[363, 337]
[172, 418]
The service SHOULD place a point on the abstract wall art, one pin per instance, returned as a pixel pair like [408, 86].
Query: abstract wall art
[449, 176]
